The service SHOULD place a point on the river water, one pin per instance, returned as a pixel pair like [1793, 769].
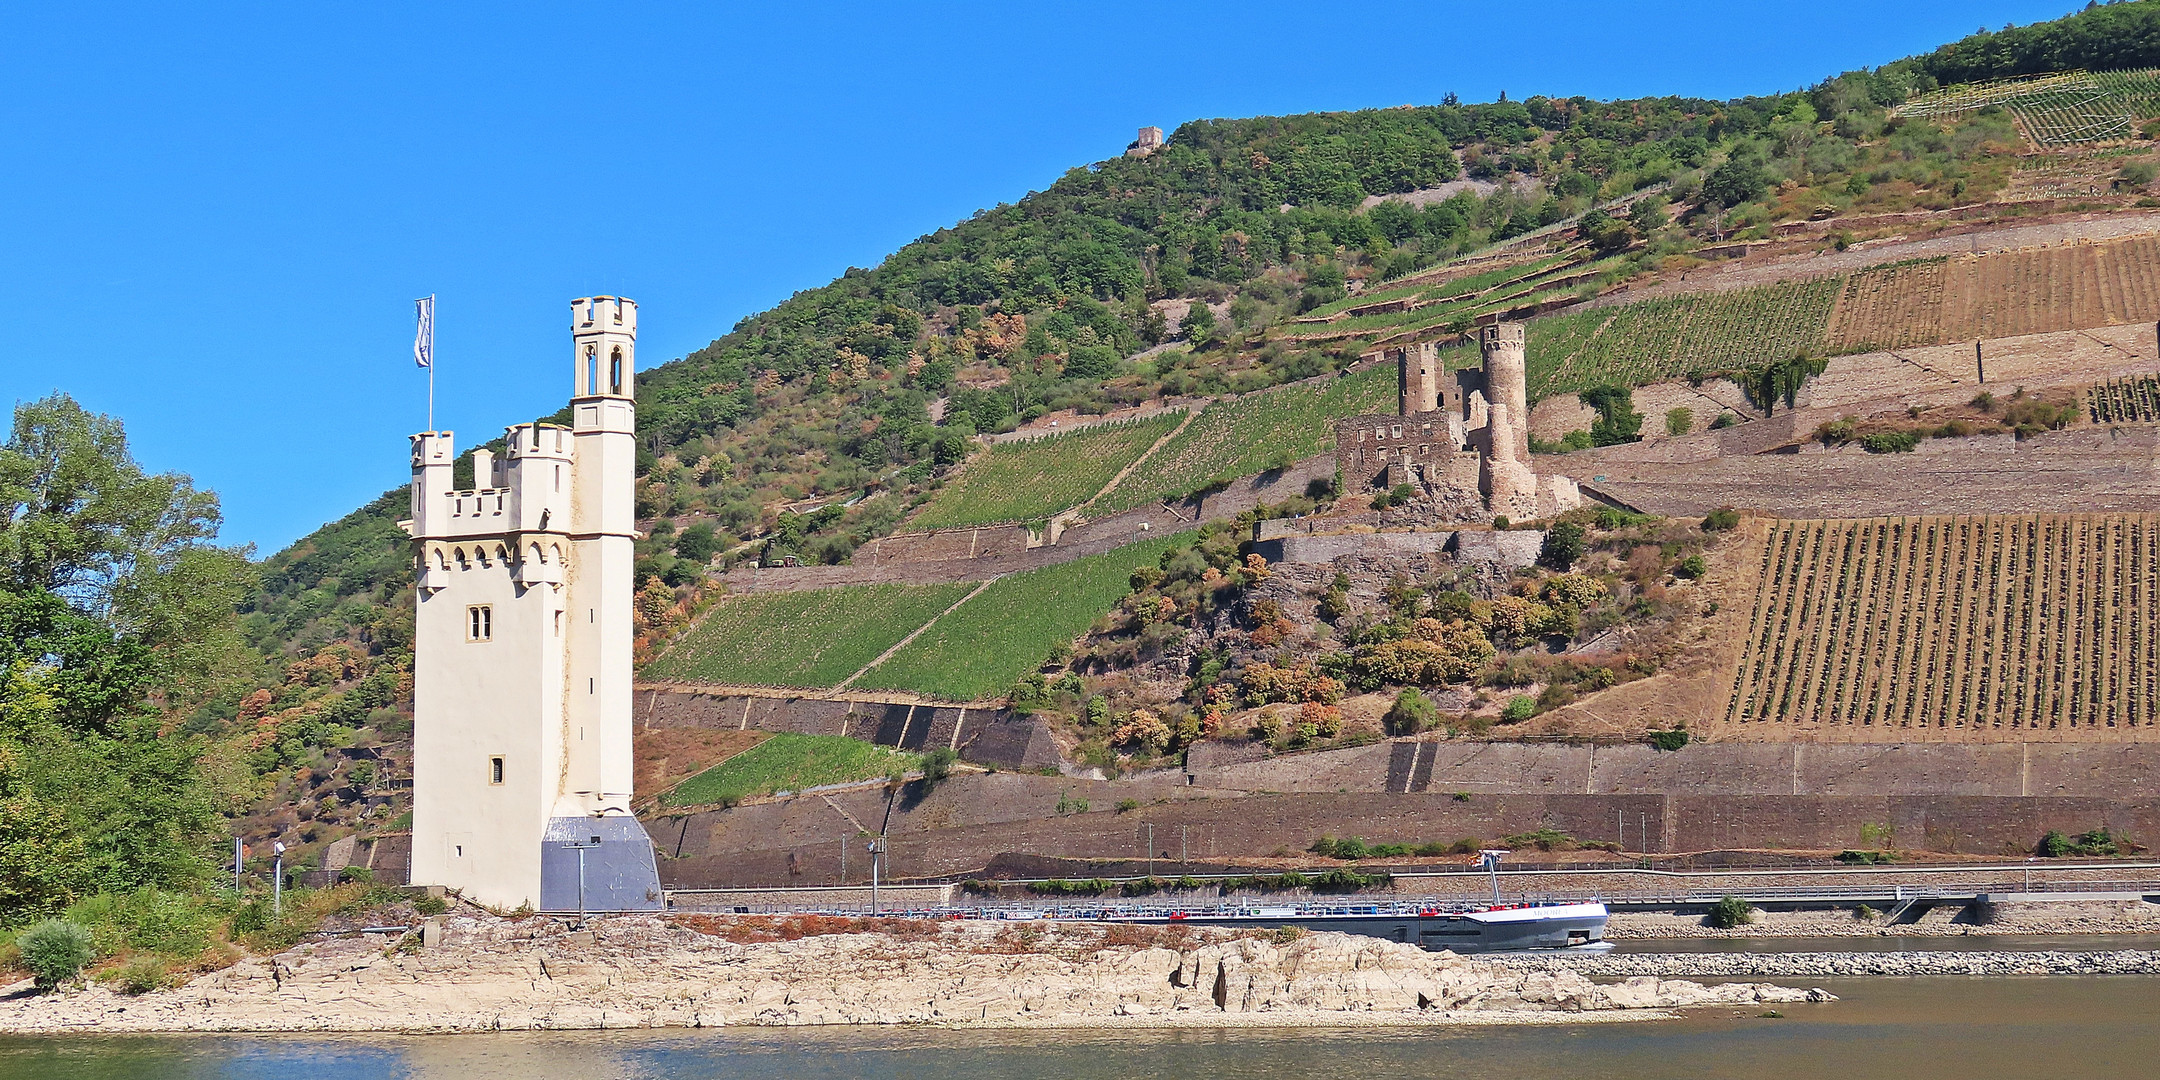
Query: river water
[2058, 1028]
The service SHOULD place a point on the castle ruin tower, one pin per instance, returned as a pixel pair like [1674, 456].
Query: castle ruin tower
[1509, 486]
[1506, 382]
[521, 667]
[1418, 375]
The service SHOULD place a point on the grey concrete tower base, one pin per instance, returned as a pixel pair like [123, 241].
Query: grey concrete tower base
[619, 873]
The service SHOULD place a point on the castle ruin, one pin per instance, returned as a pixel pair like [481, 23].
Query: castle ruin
[1457, 437]
[1149, 140]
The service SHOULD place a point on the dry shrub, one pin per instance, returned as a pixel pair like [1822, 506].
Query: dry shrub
[752, 929]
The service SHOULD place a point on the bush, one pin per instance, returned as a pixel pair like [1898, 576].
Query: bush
[1730, 913]
[1722, 519]
[1678, 421]
[1724, 420]
[1865, 858]
[1669, 740]
[55, 952]
[2100, 841]
[360, 874]
[937, 765]
[431, 905]
[1563, 545]
[142, 975]
[1519, 708]
[1890, 442]
[1412, 712]
[1691, 567]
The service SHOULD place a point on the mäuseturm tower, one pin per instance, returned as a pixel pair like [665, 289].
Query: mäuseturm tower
[521, 671]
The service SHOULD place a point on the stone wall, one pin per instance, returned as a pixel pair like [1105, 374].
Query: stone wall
[967, 822]
[943, 545]
[2081, 470]
[1065, 544]
[989, 735]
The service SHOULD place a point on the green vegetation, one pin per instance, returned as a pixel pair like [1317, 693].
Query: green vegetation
[789, 762]
[1250, 434]
[1669, 740]
[2098, 842]
[1695, 335]
[1730, 913]
[985, 645]
[1032, 480]
[55, 952]
[1411, 713]
[1519, 708]
[1865, 858]
[811, 638]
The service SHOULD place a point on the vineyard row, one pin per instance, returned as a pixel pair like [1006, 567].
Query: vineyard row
[2030, 622]
[2122, 401]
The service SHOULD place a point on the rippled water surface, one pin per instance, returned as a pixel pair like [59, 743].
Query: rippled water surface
[1912, 1029]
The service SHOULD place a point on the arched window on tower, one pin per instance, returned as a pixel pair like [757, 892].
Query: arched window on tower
[592, 371]
[615, 371]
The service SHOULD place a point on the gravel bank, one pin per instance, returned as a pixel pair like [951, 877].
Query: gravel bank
[1943, 920]
[1844, 964]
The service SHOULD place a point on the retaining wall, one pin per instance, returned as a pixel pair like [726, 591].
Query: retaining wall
[989, 735]
[795, 841]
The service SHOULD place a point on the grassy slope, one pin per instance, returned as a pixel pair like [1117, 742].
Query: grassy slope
[988, 643]
[789, 762]
[1032, 480]
[808, 639]
[1250, 434]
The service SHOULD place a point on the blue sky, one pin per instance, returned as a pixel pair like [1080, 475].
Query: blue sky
[217, 215]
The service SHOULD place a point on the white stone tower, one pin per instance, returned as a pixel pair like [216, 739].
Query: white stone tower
[521, 672]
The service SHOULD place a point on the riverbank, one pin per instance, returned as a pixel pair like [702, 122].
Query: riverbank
[1944, 920]
[491, 974]
[1824, 965]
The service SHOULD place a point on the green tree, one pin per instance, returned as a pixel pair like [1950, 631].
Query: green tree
[698, 543]
[1563, 545]
[1740, 179]
[1412, 712]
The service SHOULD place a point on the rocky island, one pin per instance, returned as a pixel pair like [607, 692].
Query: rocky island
[495, 974]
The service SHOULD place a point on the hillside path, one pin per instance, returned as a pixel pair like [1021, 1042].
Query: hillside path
[904, 642]
[1190, 416]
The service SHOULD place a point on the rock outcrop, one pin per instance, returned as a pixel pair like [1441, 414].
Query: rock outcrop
[491, 974]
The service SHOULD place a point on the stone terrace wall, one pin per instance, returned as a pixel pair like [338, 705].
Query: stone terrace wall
[2107, 770]
[1072, 542]
[2081, 470]
[795, 841]
[945, 544]
[989, 735]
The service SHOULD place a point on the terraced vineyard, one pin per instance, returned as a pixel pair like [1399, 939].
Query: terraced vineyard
[1899, 306]
[2125, 401]
[2055, 110]
[789, 762]
[985, 645]
[1037, 478]
[1245, 435]
[2025, 622]
[810, 639]
[1674, 337]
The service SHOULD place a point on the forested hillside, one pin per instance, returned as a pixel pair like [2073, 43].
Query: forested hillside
[827, 420]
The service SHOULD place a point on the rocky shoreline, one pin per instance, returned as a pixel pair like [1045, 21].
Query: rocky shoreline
[1811, 965]
[489, 974]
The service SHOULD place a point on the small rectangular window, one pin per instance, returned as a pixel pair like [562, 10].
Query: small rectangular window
[480, 623]
[495, 771]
